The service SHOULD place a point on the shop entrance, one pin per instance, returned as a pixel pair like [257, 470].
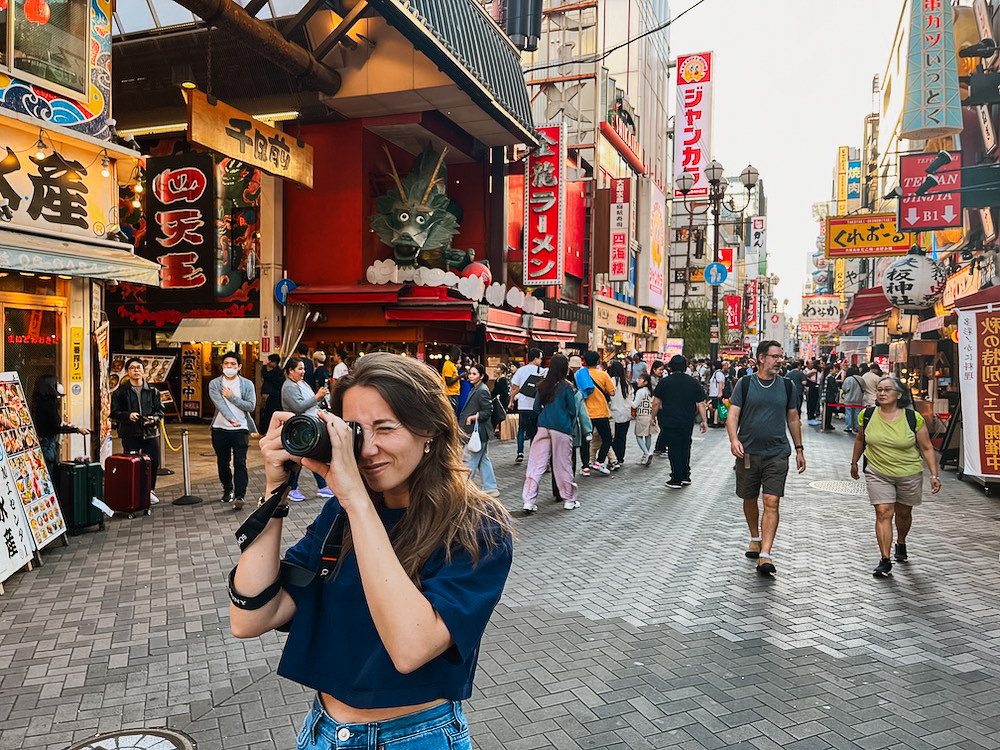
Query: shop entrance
[31, 342]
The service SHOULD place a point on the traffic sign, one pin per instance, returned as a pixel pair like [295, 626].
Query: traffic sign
[281, 290]
[941, 206]
[715, 274]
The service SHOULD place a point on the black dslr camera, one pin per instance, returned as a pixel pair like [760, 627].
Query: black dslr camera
[306, 436]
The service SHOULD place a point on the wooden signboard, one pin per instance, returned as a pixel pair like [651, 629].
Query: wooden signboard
[236, 134]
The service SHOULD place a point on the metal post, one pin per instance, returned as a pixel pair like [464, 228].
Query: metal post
[163, 470]
[187, 498]
[715, 195]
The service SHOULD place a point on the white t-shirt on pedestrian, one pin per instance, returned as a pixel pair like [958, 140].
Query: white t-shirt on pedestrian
[716, 383]
[526, 403]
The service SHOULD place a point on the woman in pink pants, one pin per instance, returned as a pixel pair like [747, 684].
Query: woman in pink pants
[556, 403]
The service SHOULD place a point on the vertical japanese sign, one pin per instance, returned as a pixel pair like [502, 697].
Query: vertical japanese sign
[692, 132]
[621, 188]
[840, 278]
[191, 380]
[751, 293]
[544, 199]
[103, 337]
[76, 354]
[931, 106]
[853, 180]
[843, 154]
[758, 244]
[180, 206]
[652, 231]
[979, 374]
[23, 467]
[733, 306]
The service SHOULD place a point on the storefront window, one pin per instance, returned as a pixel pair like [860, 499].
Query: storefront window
[3, 30]
[12, 281]
[31, 343]
[51, 40]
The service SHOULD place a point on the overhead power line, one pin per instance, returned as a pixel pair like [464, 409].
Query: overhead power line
[598, 58]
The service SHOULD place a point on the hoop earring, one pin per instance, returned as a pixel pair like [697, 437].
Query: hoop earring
[427, 446]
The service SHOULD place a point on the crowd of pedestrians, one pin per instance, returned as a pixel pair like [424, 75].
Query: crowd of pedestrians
[579, 406]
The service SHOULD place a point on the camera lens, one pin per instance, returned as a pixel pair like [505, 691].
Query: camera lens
[307, 437]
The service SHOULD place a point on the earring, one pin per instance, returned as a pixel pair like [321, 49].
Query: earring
[427, 446]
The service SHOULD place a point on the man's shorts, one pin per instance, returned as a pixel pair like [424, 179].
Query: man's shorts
[884, 489]
[765, 472]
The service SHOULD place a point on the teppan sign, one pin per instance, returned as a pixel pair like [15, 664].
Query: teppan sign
[233, 133]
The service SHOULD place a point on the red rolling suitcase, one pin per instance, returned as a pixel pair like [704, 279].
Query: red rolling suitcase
[127, 483]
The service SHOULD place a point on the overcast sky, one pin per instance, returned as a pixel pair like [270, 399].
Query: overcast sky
[792, 82]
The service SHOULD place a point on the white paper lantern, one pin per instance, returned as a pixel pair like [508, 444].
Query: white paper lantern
[914, 282]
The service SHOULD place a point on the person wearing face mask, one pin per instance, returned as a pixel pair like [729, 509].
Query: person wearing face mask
[235, 398]
[46, 411]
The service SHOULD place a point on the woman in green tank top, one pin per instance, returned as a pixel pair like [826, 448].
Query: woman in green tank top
[893, 440]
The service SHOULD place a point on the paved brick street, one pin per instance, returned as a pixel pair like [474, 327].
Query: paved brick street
[632, 622]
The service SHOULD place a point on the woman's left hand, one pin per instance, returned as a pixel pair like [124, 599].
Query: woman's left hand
[342, 473]
[935, 485]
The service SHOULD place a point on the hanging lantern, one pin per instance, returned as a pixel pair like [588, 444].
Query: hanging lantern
[37, 11]
[914, 282]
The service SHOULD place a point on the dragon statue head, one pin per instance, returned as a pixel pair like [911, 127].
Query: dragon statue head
[415, 217]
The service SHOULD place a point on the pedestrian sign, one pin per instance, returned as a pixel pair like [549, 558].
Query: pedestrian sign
[715, 274]
[281, 290]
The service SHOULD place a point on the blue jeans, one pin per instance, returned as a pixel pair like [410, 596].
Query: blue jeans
[480, 461]
[851, 417]
[442, 726]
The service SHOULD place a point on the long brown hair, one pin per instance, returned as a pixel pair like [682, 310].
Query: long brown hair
[445, 507]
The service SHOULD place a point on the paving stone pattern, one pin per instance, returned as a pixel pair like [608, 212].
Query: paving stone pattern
[634, 621]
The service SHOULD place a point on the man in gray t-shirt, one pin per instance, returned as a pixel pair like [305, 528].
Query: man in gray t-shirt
[766, 402]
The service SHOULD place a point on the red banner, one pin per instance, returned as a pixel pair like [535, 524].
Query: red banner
[726, 257]
[544, 199]
[733, 305]
[751, 295]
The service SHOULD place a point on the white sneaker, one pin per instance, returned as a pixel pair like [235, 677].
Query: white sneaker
[153, 498]
[600, 467]
[530, 508]
[324, 492]
[571, 504]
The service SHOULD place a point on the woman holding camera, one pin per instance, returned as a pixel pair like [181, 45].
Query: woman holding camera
[298, 397]
[137, 408]
[389, 635]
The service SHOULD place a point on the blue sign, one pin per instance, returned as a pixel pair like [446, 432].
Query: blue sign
[715, 274]
[281, 290]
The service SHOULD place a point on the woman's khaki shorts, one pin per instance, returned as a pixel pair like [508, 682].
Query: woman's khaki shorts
[882, 489]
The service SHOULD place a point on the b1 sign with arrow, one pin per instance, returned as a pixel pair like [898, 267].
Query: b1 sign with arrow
[940, 205]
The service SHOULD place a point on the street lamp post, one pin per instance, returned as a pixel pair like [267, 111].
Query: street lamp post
[716, 192]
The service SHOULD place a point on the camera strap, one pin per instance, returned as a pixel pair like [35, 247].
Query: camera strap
[295, 575]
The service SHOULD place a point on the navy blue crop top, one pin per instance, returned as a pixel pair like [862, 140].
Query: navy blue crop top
[333, 645]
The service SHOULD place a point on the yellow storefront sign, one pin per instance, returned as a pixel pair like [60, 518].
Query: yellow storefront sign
[866, 236]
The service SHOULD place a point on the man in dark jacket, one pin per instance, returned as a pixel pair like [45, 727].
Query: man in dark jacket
[270, 390]
[136, 407]
[677, 398]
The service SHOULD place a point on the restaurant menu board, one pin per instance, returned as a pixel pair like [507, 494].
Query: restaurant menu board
[157, 367]
[26, 481]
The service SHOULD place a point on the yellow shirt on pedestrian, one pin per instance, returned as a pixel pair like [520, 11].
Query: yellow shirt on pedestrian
[448, 370]
[597, 405]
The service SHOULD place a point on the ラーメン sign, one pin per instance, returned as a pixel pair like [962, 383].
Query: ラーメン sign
[545, 197]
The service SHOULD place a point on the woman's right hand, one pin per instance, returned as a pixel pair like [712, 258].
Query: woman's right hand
[276, 458]
[854, 470]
